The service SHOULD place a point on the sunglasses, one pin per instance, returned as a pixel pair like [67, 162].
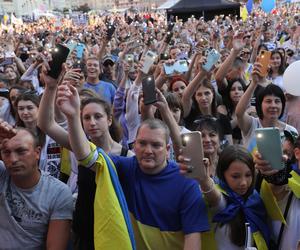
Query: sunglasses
[108, 63]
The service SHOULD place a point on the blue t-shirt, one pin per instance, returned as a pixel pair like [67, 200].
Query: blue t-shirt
[164, 207]
[105, 90]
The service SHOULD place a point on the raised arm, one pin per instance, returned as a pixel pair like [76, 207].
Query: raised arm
[168, 118]
[189, 92]
[69, 103]
[46, 117]
[238, 45]
[243, 119]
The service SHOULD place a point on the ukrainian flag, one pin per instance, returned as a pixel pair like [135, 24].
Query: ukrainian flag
[112, 226]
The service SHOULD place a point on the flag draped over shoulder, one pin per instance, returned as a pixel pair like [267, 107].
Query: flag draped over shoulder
[253, 210]
[112, 226]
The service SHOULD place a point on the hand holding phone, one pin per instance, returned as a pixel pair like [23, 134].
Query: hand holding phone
[149, 59]
[110, 31]
[212, 58]
[59, 56]
[264, 59]
[269, 146]
[193, 150]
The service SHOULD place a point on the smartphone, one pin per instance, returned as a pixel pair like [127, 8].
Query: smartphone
[169, 69]
[129, 58]
[110, 31]
[181, 66]
[269, 146]
[264, 59]
[193, 150]
[59, 56]
[171, 26]
[10, 54]
[78, 64]
[149, 93]
[164, 56]
[7, 61]
[212, 58]
[79, 50]
[4, 93]
[149, 59]
[169, 37]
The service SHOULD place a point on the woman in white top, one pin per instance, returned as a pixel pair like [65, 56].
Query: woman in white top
[277, 68]
[270, 104]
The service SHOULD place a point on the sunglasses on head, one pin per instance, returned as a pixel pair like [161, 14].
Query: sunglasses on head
[108, 63]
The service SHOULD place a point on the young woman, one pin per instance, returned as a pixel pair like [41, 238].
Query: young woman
[27, 105]
[210, 131]
[98, 124]
[177, 85]
[277, 68]
[270, 104]
[201, 101]
[12, 75]
[236, 201]
[282, 198]
[231, 96]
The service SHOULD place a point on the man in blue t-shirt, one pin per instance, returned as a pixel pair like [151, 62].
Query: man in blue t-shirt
[105, 90]
[167, 210]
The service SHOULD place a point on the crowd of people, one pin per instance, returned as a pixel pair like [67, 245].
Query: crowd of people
[88, 161]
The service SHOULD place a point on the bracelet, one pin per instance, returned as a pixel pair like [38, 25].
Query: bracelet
[211, 188]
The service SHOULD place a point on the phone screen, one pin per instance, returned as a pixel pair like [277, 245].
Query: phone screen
[149, 93]
[110, 31]
[59, 56]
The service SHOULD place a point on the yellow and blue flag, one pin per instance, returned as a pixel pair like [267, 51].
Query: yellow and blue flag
[112, 225]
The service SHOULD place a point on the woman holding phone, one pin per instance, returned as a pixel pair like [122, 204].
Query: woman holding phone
[270, 103]
[235, 201]
[283, 198]
[100, 128]
[199, 99]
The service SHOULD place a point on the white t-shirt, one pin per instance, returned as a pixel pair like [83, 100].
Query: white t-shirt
[222, 233]
[291, 233]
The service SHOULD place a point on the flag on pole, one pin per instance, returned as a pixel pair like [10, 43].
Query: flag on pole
[249, 6]
[244, 14]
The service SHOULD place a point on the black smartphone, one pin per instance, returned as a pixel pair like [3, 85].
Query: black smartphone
[4, 93]
[149, 93]
[164, 56]
[169, 37]
[78, 64]
[171, 26]
[59, 56]
[110, 31]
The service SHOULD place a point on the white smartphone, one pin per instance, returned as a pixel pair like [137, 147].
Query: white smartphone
[193, 150]
[149, 59]
[269, 146]
[212, 58]
[181, 66]
[129, 58]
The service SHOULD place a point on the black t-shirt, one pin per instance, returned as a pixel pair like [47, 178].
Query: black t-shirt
[223, 121]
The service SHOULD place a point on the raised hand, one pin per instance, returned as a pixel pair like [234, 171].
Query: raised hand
[68, 100]
[238, 42]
